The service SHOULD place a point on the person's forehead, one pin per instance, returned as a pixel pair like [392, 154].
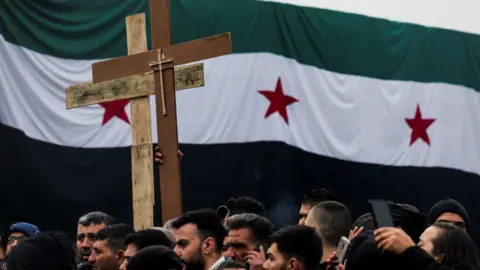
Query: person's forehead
[429, 234]
[305, 208]
[100, 244]
[131, 250]
[239, 234]
[92, 228]
[17, 234]
[452, 217]
[186, 231]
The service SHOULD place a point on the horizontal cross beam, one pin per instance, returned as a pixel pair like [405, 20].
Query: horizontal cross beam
[189, 76]
[183, 53]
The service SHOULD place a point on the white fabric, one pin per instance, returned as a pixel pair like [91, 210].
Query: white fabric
[342, 116]
[460, 15]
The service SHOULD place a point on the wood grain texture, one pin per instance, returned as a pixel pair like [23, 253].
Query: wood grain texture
[170, 179]
[183, 53]
[143, 190]
[124, 88]
[188, 76]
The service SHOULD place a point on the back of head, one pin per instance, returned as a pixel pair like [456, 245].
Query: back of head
[366, 221]
[365, 255]
[48, 250]
[115, 236]
[155, 258]
[149, 237]
[300, 242]
[261, 227]
[317, 196]
[332, 221]
[96, 218]
[448, 206]
[456, 247]
[244, 204]
[409, 218]
[208, 224]
[405, 216]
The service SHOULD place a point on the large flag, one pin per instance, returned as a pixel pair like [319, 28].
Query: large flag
[368, 101]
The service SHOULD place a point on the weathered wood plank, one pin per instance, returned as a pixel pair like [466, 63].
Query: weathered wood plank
[124, 88]
[143, 192]
[188, 76]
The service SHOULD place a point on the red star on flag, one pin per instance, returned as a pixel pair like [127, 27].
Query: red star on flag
[419, 126]
[115, 108]
[278, 101]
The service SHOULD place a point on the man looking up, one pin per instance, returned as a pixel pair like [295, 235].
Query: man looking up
[199, 237]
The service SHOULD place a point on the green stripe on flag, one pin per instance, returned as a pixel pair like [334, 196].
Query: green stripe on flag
[335, 41]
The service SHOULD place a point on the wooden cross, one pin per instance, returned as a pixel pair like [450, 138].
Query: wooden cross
[145, 73]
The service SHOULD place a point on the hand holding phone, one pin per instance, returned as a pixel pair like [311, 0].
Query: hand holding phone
[381, 213]
[342, 249]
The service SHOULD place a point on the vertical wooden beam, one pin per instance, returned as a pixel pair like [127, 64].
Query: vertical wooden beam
[170, 179]
[142, 152]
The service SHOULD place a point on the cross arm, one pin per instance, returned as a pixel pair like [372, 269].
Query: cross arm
[182, 53]
[189, 76]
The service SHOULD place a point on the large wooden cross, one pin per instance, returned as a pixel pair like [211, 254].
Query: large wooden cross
[145, 73]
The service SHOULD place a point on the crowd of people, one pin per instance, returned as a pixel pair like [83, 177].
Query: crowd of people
[238, 235]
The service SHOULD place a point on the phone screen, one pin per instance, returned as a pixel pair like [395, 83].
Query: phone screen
[381, 213]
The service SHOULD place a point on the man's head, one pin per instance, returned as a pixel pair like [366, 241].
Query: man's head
[48, 250]
[332, 220]
[294, 248]
[88, 226]
[109, 248]
[240, 205]
[311, 199]
[199, 235]
[449, 211]
[155, 258]
[19, 232]
[246, 232]
[145, 238]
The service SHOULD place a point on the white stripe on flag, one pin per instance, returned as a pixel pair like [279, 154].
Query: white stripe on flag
[342, 116]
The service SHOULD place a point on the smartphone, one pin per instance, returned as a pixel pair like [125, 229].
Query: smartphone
[342, 248]
[381, 213]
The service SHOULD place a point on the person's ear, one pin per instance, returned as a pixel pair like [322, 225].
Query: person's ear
[208, 245]
[120, 256]
[293, 264]
[439, 258]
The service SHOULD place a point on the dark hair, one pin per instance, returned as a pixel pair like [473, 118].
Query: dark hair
[208, 224]
[317, 196]
[154, 258]
[333, 221]
[149, 237]
[96, 218]
[365, 221]
[115, 236]
[458, 250]
[300, 242]
[244, 204]
[261, 227]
